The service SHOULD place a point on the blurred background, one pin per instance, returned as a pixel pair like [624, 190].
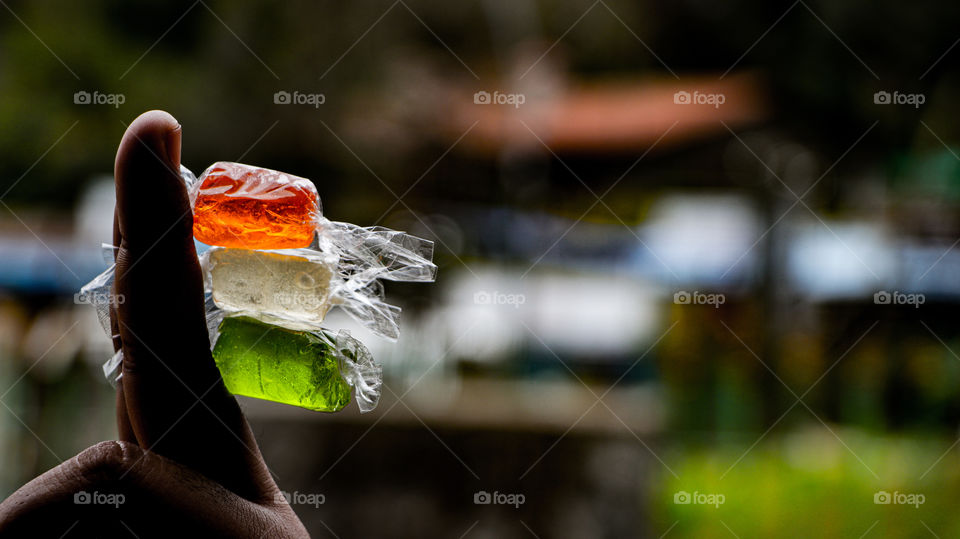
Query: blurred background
[698, 261]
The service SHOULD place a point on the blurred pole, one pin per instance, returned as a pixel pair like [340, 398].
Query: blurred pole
[786, 173]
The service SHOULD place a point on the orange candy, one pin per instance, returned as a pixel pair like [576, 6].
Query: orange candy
[254, 208]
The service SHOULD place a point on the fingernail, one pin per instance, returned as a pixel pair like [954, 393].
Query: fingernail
[173, 146]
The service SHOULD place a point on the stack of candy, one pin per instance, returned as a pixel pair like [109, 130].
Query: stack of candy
[273, 267]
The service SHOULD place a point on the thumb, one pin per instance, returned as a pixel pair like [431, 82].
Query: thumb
[175, 398]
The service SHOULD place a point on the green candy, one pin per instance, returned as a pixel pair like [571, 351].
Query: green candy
[281, 365]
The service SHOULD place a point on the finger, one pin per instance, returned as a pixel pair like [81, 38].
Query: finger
[124, 430]
[174, 396]
[142, 493]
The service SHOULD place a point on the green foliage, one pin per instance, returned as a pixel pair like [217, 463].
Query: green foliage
[812, 482]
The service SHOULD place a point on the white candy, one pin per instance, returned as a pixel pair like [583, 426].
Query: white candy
[268, 283]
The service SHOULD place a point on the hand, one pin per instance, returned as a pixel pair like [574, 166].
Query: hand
[186, 461]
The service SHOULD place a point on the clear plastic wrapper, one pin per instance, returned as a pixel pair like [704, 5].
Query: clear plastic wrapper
[295, 288]
[254, 282]
[292, 287]
[251, 206]
[99, 293]
[354, 362]
[243, 206]
[275, 261]
[310, 369]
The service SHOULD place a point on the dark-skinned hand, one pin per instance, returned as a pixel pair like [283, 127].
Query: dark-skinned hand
[186, 462]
